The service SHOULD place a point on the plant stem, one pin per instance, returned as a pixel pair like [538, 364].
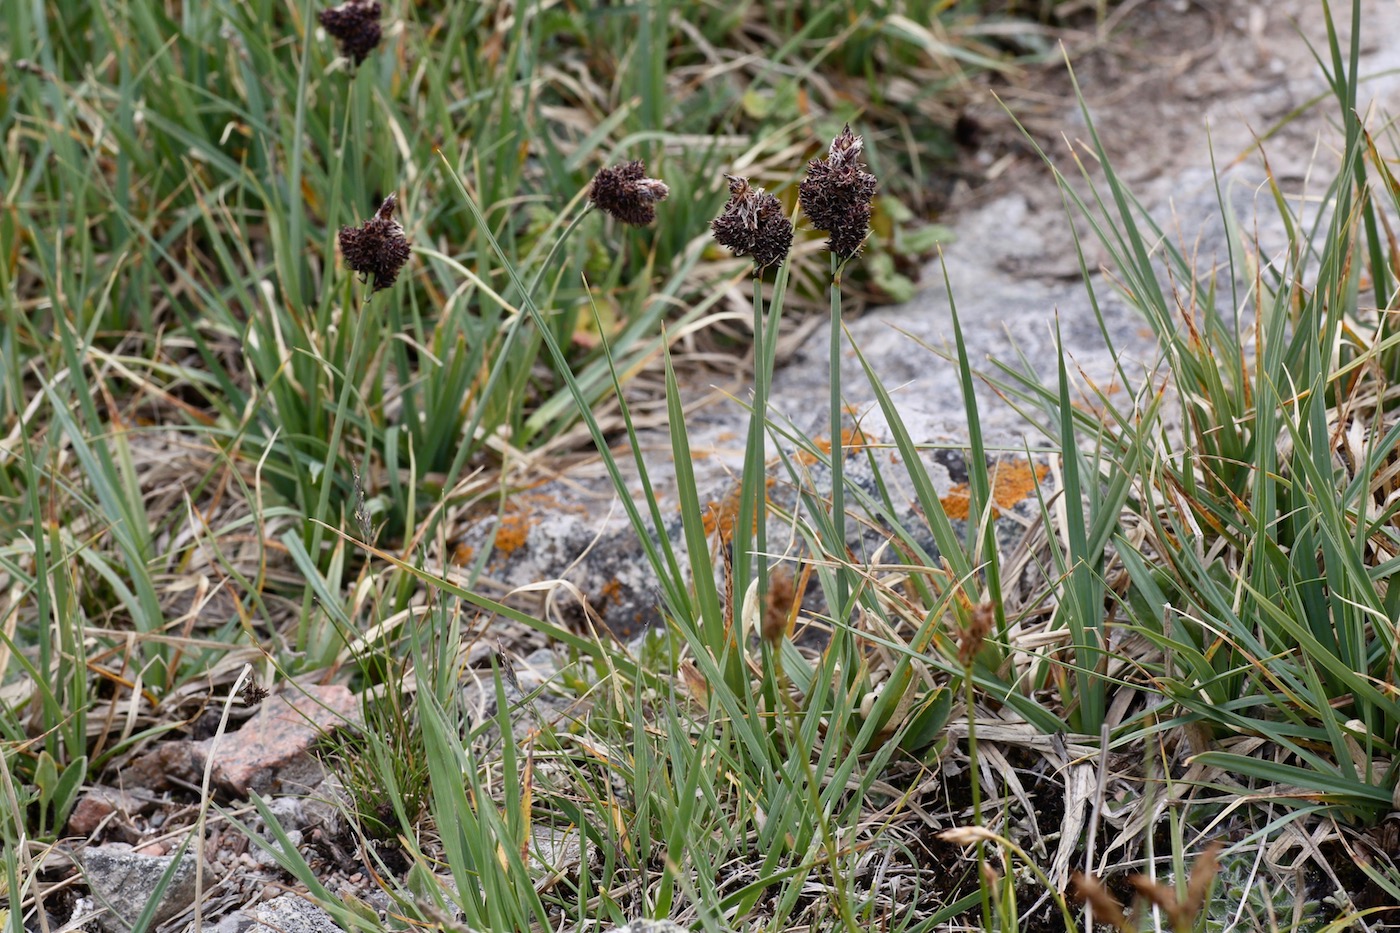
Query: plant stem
[757, 448]
[348, 379]
[838, 492]
[975, 778]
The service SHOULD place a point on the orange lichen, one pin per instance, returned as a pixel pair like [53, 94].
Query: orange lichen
[856, 439]
[957, 502]
[462, 554]
[807, 458]
[853, 440]
[522, 511]
[712, 517]
[609, 591]
[513, 531]
[1012, 481]
[536, 501]
[720, 516]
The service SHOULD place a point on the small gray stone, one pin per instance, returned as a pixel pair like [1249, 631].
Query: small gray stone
[265, 857]
[123, 882]
[288, 811]
[529, 709]
[650, 926]
[555, 850]
[234, 922]
[291, 914]
[324, 809]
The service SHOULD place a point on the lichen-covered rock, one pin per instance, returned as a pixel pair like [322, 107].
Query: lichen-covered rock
[1017, 275]
[123, 882]
[578, 531]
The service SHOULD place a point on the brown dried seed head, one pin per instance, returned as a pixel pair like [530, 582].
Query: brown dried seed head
[1202, 873]
[355, 27]
[1182, 908]
[837, 192]
[753, 224]
[979, 627]
[846, 147]
[625, 192]
[1161, 896]
[253, 692]
[377, 248]
[1106, 907]
[782, 598]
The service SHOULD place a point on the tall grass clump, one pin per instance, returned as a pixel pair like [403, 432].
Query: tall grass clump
[289, 290]
[1238, 514]
[1257, 535]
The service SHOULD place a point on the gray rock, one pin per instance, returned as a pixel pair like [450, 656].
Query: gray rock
[605, 560]
[324, 810]
[236, 921]
[290, 914]
[84, 911]
[124, 882]
[267, 858]
[288, 811]
[555, 850]
[650, 926]
[530, 706]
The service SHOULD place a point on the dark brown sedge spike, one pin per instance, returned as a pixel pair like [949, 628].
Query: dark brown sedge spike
[354, 25]
[836, 195]
[377, 248]
[623, 191]
[753, 224]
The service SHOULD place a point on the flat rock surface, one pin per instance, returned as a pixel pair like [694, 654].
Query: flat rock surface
[124, 882]
[273, 749]
[1179, 93]
[290, 914]
[649, 926]
[271, 752]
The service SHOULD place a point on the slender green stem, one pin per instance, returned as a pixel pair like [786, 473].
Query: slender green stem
[757, 447]
[838, 491]
[971, 699]
[292, 271]
[549, 257]
[818, 810]
[348, 379]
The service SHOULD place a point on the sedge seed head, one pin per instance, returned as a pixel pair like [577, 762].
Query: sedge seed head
[1106, 907]
[354, 25]
[971, 639]
[623, 191]
[753, 224]
[837, 193]
[377, 248]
